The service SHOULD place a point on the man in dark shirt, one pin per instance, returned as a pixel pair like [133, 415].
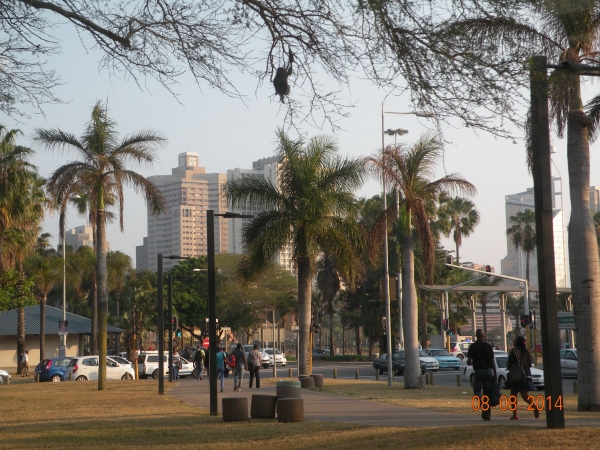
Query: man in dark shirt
[481, 356]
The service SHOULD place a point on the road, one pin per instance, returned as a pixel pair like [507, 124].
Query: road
[347, 371]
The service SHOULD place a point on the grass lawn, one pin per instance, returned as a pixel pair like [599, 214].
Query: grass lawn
[451, 399]
[131, 414]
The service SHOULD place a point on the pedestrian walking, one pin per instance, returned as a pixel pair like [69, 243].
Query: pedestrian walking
[25, 362]
[520, 358]
[240, 364]
[481, 356]
[199, 363]
[254, 365]
[221, 360]
[175, 364]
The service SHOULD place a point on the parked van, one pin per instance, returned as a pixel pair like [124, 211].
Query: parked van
[148, 364]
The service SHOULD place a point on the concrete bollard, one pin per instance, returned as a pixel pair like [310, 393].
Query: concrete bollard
[290, 373]
[335, 374]
[458, 381]
[37, 377]
[70, 376]
[427, 382]
[575, 387]
[356, 374]
[234, 408]
[377, 375]
[431, 379]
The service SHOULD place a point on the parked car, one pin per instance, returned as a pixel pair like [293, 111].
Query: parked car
[187, 367]
[501, 361]
[4, 377]
[445, 359]
[52, 369]
[568, 362]
[321, 352]
[85, 368]
[264, 357]
[279, 357]
[148, 364]
[120, 360]
[381, 363]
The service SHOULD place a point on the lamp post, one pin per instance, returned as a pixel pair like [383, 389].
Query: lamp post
[386, 271]
[212, 300]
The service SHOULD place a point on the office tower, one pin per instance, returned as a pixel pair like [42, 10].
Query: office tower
[80, 236]
[514, 263]
[265, 168]
[181, 230]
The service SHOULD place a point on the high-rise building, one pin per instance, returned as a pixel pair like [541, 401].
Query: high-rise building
[266, 168]
[80, 236]
[181, 230]
[515, 262]
[595, 199]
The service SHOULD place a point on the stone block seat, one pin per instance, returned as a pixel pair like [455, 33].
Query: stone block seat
[307, 383]
[288, 389]
[234, 408]
[318, 379]
[263, 406]
[290, 410]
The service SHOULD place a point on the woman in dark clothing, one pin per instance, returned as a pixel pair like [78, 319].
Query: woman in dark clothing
[519, 355]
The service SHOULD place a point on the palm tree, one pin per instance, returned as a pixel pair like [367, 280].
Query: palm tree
[522, 234]
[118, 265]
[102, 170]
[329, 284]
[311, 210]
[409, 169]
[460, 217]
[45, 271]
[567, 30]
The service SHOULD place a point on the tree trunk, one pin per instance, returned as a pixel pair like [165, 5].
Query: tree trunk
[527, 266]
[457, 255]
[101, 279]
[484, 313]
[94, 337]
[412, 372]
[584, 263]
[43, 327]
[358, 341]
[20, 338]
[331, 343]
[304, 314]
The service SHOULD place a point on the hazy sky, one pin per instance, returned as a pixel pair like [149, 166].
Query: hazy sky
[227, 133]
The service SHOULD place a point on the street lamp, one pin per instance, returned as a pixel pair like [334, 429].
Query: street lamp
[212, 311]
[386, 270]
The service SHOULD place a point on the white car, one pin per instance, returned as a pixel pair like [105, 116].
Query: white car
[568, 362]
[279, 357]
[430, 363]
[460, 349]
[501, 360]
[264, 358]
[186, 368]
[85, 368]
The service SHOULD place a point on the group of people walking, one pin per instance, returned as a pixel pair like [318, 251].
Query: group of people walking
[481, 356]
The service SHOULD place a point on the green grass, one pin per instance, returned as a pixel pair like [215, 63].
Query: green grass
[131, 414]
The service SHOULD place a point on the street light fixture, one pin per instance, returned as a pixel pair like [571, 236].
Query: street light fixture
[386, 274]
[212, 311]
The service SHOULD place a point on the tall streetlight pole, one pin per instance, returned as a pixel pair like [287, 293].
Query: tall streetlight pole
[64, 255]
[386, 271]
[212, 301]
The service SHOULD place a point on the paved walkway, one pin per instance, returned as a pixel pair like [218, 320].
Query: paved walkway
[334, 408]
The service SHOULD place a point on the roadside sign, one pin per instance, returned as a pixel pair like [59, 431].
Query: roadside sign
[566, 321]
[225, 328]
[205, 343]
[295, 328]
[152, 336]
[63, 327]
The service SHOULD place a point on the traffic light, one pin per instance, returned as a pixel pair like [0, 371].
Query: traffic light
[525, 320]
[450, 333]
[316, 328]
[174, 323]
[445, 324]
[488, 269]
[178, 332]
[449, 262]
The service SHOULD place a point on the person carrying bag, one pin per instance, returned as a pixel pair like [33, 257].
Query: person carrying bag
[519, 374]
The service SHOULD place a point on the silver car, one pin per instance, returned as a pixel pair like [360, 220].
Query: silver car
[568, 362]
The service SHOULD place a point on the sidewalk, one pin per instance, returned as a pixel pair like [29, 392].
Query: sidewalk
[334, 408]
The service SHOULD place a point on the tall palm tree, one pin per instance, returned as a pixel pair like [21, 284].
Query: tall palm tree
[329, 284]
[565, 31]
[102, 170]
[460, 217]
[311, 210]
[522, 234]
[409, 169]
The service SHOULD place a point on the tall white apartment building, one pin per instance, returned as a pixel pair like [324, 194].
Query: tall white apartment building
[189, 192]
[264, 168]
[514, 263]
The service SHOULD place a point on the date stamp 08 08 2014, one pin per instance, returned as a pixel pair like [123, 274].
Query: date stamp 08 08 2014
[510, 403]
